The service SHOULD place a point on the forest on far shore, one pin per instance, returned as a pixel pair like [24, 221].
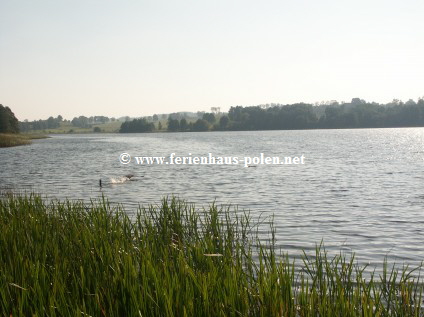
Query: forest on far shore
[356, 114]
[330, 115]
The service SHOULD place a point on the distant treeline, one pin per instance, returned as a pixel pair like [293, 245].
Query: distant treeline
[331, 115]
[356, 114]
[54, 123]
[8, 121]
[173, 125]
[50, 123]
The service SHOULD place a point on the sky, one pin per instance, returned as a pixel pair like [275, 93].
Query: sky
[138, 58]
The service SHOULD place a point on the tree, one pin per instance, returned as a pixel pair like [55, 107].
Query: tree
[410, 102]
[209, 117]
[183, 125]
[52, 123]
[200, 125]
[173, 125]
[223, 122]
[137, 126]
[81, 122]
[357, 101]
[8, 121]
[175, 115]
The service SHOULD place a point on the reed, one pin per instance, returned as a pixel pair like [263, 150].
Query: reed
[69, 258]
[8, 140]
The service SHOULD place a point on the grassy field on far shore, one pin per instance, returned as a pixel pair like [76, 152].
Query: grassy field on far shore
[67, 127]
[70, 258]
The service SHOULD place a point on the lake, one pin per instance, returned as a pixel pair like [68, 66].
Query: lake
[359, 190]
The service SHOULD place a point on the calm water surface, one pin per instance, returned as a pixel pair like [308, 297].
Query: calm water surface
[359, 190]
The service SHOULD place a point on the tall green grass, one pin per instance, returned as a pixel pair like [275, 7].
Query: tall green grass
[75, 259]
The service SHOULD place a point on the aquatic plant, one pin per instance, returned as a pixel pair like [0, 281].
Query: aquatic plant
[63, 258]
[8, 140]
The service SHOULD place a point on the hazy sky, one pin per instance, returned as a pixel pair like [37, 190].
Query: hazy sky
[138, 58]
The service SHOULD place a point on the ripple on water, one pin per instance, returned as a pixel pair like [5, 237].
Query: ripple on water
[359, 190]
